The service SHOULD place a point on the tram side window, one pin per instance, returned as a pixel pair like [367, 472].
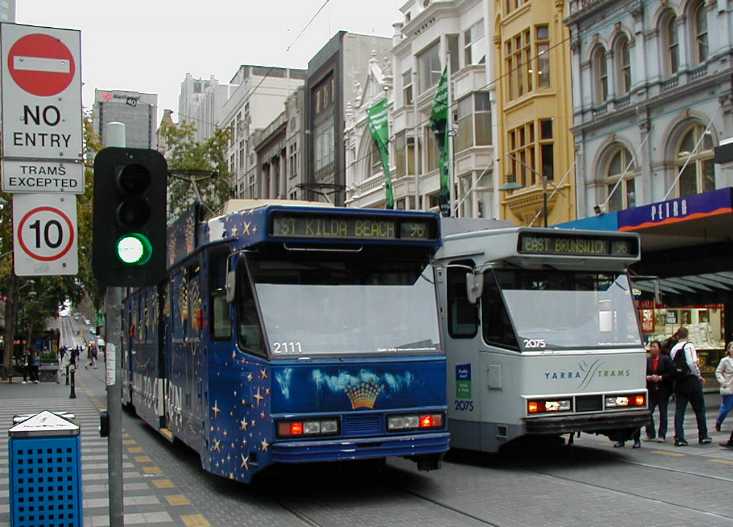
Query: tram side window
[462, 314]
[497, 326]
[248, 323]
[220, 323]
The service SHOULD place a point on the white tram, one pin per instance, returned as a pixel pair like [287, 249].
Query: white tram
[540, 331]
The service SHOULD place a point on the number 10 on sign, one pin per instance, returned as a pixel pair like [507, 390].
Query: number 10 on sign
[44, 234]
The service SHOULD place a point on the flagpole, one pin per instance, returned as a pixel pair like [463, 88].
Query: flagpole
[450, 139]
[417, 140]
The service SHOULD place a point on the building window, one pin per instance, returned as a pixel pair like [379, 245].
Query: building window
[323, 95]
[621, 166]
[699, 173]
[407, 96]
[547, 149]
[375, 160]
[400, 154]
[623, 66]
[474, 44]
[531, 147]
[429, 70]
[542, 51]
[455, 54]
[473, 119]
[324, 146]
[518, 64]
[600, 74]
[512, 5]
[293, 160]
[700, 29]
[671, 44]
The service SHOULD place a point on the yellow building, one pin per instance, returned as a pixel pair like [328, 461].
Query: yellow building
[534, 96]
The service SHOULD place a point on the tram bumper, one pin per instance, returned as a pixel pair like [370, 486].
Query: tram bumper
[603, 423]
[407, 445]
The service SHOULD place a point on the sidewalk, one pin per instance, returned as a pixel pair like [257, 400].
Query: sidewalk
[142, 504]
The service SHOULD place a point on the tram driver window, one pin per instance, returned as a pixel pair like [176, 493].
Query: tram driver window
[220, 322]
[248, 323]
[497, 325]
[462, 314]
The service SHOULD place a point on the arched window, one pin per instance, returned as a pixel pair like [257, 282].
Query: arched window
[375, 160]
[699, 172]
[620, 165]
[623, 66]
[600, 74]
[670, 43]
[700, 31]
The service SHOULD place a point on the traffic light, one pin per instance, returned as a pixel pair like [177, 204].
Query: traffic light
[130, 191]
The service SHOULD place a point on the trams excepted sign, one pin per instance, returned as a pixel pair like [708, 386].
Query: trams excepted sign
[44, 234]
[41, 110]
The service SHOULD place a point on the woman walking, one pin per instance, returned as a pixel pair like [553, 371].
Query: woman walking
[724, 375]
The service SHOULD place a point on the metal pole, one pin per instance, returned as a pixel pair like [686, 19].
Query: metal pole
[416, 152]
[72, 393]
[114, 134]
[451, 134]
[544, 199]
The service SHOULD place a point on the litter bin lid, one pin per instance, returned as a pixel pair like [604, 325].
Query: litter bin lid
[45, 424]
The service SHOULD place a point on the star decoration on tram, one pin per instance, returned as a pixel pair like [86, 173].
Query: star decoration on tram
[247, 226]
[215, 409]
[258, 396]
[243, 424]
[217, 446]
[245, 462]
[263, 374]
[250, 377]
[264, 445]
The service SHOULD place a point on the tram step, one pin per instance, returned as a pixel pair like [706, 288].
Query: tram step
[167, 434]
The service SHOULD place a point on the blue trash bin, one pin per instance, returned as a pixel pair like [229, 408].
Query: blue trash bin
[45, 471]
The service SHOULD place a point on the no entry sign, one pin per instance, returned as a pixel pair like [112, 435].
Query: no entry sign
[41, 64]
[41, 98]
[44, 234]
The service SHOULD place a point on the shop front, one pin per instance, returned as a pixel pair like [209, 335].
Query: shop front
[685, 276]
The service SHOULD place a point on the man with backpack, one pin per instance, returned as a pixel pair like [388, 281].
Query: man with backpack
[688, 388]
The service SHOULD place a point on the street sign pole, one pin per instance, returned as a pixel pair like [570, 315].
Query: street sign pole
[115, 136]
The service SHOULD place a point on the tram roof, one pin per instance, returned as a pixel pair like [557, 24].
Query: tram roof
[246, 223]
[494, 241]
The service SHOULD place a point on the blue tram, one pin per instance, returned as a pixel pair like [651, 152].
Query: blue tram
[288, 334]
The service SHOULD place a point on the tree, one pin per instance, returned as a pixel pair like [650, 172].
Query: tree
[199, 170]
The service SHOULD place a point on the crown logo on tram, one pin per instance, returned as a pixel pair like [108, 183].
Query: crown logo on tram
[364, 395]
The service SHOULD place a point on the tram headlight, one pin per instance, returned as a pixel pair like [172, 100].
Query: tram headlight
[396, 423]
[542, 406]
[563, 405]
[617, 401]
[312, 427]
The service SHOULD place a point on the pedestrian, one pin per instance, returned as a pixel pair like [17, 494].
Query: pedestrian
[724, 375]
[35, 366]
[26, 361]
[669, 343]
[94, 354]
[688, 388]
[659, 384]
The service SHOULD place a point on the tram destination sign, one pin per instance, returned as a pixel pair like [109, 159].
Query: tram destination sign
[353, 227]
[569, 245]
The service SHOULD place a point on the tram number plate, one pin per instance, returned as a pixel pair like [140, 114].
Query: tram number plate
[287, 347]
[534, 344]
[464, 406]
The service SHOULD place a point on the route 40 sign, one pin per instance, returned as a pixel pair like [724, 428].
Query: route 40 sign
[41, 109]
[44, 234]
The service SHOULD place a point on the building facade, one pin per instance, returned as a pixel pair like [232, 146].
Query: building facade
[7, 10]
[257, 99]
[138, 111]
[532, 50]
[201, 102]
[652, 98]
[331, 75]
[430, 32]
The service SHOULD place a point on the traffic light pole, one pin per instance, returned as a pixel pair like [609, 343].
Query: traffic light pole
[114, 136]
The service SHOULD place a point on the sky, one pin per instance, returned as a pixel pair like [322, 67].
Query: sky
[150, 45]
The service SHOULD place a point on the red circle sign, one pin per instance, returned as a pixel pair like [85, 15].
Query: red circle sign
[63, 248]
[41, 64]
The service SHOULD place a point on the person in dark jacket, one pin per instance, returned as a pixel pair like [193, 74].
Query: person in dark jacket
[660, 384]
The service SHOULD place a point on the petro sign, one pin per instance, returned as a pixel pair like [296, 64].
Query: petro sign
[41, 109]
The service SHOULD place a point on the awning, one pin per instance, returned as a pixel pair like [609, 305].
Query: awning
[708, 284]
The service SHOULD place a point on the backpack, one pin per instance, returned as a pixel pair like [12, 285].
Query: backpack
[681, 368]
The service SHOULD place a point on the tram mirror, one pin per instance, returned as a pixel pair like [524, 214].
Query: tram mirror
[474, 286]
[231, 285]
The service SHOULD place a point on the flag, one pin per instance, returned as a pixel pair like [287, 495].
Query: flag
[378, 123]
[439, 125]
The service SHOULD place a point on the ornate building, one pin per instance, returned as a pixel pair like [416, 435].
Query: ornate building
[532, 50]
[652, 98]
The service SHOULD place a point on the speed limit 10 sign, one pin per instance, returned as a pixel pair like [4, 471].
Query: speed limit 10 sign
[44, 234]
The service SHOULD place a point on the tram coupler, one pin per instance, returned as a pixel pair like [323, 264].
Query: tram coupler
[428, 463]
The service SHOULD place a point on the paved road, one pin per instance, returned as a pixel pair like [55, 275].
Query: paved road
[538, 483]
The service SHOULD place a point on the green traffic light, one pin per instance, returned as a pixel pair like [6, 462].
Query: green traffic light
[134, 249]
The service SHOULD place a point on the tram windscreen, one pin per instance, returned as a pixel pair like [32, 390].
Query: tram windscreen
[346, 304]
[566, 310]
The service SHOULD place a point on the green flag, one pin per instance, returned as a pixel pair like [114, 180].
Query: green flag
[439, 124]
[379, 129]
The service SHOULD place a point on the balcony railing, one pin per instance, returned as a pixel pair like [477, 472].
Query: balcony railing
[670, 83]
[622, 102]
[699, 72]
[576, 6]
